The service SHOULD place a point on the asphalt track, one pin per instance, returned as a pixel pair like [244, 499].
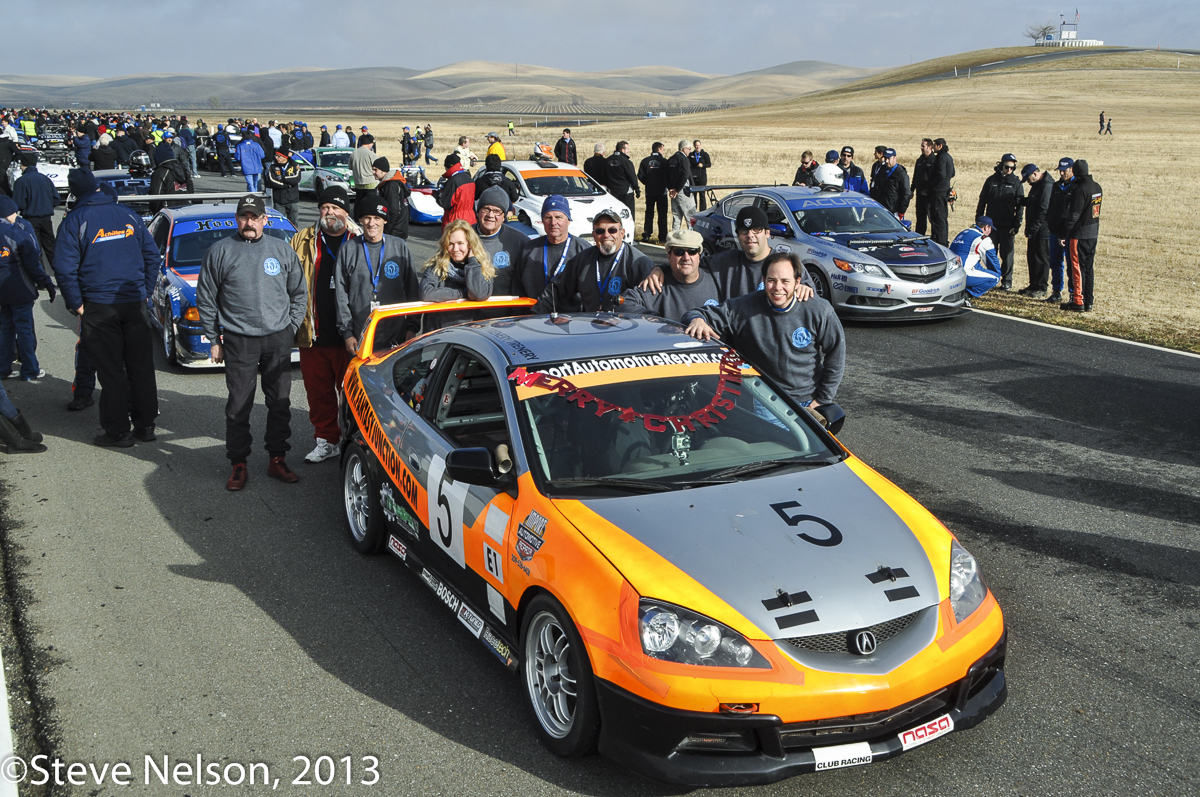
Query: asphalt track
[160, 615]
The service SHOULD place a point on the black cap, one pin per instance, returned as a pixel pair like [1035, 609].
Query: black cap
[751, 218]
[848, 150]
[370, 205]
[334, 195]
[451, 160]
[1028, 171]
[382, 164]
[251, 203]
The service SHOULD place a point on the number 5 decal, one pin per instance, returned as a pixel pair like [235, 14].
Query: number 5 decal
[446, 500]
[834, 538]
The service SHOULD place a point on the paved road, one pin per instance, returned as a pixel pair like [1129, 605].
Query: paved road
[162, 615]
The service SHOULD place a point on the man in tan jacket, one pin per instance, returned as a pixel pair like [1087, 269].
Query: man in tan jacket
[323, 354]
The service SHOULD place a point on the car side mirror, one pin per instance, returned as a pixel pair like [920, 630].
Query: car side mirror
[475, 466]
[781, 230]
[834, 415]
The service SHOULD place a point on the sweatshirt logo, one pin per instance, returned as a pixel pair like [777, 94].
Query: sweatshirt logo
[614, 286]
[711, 303]
[391, 269]
[500, 260]
[271, 266]
[114, 235]
[802, 338]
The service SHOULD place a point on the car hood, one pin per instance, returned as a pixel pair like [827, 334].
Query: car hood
[891, 248]
[735, 542]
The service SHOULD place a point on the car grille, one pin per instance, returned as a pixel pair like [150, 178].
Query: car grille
[840, 642]
[913, 273]
[860, 727]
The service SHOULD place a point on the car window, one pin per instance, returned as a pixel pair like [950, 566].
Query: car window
[187, 251]
[413, 370]
[512, 178]
[330, 159]
[855, 219]
[731, 205]
[158, 230]
[774, 213]
[469, 409]
[561, 184]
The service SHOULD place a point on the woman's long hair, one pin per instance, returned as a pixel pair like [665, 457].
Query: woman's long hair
[440, 262]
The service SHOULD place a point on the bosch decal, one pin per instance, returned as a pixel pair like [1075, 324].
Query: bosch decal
[443, 592]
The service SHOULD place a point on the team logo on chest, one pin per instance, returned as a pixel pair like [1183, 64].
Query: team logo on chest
[500, 260]
[271, 267]
[391, 269]
[614, 286]
[802, 338]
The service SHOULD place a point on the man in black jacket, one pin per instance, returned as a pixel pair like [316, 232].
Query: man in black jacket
[596, 167]
[1037, 233]
[9, 152]
[492, 175]
[1081, 220]
[1000, 199]
[282, 176]
[700, 164]
[652, 173]
[920, 184]
[679, 182]
[594, 279]
[564, 149]
[621, 178]
[170, 176]
[1060, 197]
[891, 188]
[395, 191]
[940, 176]
[806, 172]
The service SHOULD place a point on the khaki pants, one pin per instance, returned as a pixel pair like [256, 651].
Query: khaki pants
[682, 210]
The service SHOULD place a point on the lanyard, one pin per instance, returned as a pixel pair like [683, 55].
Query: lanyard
[375, 274]
[602, 285]
[561, 261]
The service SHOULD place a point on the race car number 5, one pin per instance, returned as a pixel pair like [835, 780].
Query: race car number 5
[834, 538]
[446, 500]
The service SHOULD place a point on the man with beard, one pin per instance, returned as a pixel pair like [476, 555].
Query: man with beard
[593, 280]
[546, 256]
[502, 243]
[686, 287]
[323, 354]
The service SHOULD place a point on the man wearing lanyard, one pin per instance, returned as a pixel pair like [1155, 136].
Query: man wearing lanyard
[377, 270]
[323, 355]
[548, 254]
[593, 280]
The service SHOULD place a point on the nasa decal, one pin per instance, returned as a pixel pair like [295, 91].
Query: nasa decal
[271, 267]
[802, 338]
[391, 269]
[500, 259]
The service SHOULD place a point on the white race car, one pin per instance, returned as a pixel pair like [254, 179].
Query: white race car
[537, 180]
[55, 171]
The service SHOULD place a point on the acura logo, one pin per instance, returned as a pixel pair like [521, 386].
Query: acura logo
[864, 643]
[924, 270]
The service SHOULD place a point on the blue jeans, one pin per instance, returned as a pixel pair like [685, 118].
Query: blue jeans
[1058, 258]
[191, 153]
[429, 158]
[16, 320]
[251, 182]
[6, 406]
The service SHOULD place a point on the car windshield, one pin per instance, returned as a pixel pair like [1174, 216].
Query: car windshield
[187, 250]
[547, 183]
[836, 220]
[331, 159]
[693, 419]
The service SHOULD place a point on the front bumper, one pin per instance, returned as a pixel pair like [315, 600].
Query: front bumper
[864, 297]
[664, 743]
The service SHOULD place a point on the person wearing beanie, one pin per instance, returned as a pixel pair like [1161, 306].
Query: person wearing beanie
[376, 269]
[1037, 233]
[974, 247]
[36, 199]
[395, 190]
[21, 276]
[492, 174]
[457, 194]
[1081, 221]
[504, 245]
[593, 280]
[106, 265]
[361, 161]
[460, 269]
[170, 176]
[282, 176]
[83, 149]
[323, 354]
[546, 256]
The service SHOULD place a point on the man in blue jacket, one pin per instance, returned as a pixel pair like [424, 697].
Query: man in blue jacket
[106, 264]
[36, 198]
[250, 155]
[21, 276]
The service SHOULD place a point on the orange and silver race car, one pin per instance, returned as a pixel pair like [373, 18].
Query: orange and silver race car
[685, 569]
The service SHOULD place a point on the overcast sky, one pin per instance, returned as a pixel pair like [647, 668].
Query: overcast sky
[99, 38]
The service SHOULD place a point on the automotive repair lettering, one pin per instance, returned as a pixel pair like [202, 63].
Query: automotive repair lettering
[729, 377]
[531, 533]
[357, 397]
[576, 367]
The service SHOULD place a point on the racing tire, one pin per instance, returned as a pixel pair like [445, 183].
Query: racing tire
[821, 281]
[169, 343]
[364, 517]
[558, 680]
[523, 217]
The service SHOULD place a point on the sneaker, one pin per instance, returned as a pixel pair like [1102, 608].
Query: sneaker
[145, 433]
[237, 479]
[324, 450]
[80, 403]
[1054, 298]
[278, 469]
[39, 375]
[106, 440]
[9, 375]
[1027, 291]
[1071, 308]
[1036, 294]
[1007, 288]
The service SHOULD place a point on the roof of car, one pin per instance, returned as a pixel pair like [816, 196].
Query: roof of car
[211, 210]
[535, 166]
[528, 340]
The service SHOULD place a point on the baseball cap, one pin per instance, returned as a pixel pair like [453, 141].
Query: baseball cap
[370, 205]
[406, 127]
[1065, 163]
[984, 221]
[751, 218]
[1008, 158]
[334, 195]
[324, 127]
[493, 134]
[251, 203]
[339, 127]
[848, 150]
[889, 153]
[556, 202]
[606, 213]
[684, 239]
[1028, 171]
[364, 127]
[831, 156]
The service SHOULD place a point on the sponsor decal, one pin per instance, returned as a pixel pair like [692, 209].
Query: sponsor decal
[925, 291]
[516, 560]
[577, 367]
[472, 621]
[498, 646]
[517, 346]
[817, 252]
[746, 223]
[783, 248]
[842, 755]
[271, 267]
[832, 202]
[837, 286]
[689, 344]
[888, 287]
[530, 535]
[394, 511]
[922, 309]
[838, 277]
[391, 269]
[5, 251]
[397, 547]
[873, 289]
[356, 397]
[493, 562]
[103, 235]
[495, 602]
[906, 249]
[912, 254]
[802, 338]
[206, 225]
[927, 732]
[443, 592]
[500, 259]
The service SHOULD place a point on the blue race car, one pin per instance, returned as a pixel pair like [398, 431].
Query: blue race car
[183, 235]
[862, 259]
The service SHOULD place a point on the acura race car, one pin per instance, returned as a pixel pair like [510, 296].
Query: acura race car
[682, 566]
[862, 259]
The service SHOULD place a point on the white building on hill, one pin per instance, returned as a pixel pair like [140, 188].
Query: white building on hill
[1067, 36]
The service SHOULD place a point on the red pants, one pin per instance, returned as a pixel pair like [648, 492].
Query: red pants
[323, 368]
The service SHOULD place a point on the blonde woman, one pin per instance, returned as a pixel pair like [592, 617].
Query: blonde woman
[461, 269]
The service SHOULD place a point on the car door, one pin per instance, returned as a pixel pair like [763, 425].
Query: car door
[777, 217]
[465, 525]
[160, 300]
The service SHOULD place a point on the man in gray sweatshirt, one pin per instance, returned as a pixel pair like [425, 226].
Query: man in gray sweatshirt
[252, 297]
[798, 345]
[685, 287]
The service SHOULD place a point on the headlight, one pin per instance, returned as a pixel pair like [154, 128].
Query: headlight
[859, 268]
[966, 585]
[625, 213]
[672, 633]
[954, 264]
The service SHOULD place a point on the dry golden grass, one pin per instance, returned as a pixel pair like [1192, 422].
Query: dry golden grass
[1130, 60]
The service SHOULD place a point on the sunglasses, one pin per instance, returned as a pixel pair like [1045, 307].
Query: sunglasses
[680, 252]
[608, 230]
[1008, 168]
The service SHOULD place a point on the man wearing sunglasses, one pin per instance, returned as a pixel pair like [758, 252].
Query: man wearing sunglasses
[1001, 200]
[594, 279]
[685, 287]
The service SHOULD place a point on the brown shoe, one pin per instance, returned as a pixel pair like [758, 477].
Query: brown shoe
[237, 479]
[278, 469]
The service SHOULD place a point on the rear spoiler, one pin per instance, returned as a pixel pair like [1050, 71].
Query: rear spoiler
[366, 344]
